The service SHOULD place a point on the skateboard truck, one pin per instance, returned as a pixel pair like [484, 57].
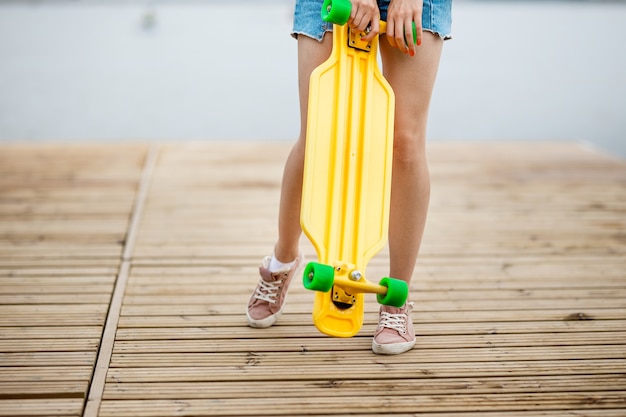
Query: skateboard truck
[342, 298]
[346, 280]
[355, 41]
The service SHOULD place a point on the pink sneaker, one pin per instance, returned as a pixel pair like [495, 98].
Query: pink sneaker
[395, 333]
[267, 302]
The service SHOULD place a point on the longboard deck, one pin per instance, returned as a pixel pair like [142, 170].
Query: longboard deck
[347, 174]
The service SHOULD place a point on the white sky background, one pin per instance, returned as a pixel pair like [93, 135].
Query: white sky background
[165, 70]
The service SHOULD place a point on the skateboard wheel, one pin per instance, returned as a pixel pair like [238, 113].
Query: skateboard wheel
[397, 292]
[318, 277]
[414, 34]
[336, 11]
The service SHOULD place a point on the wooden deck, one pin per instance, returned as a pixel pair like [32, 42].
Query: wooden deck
[125, 270]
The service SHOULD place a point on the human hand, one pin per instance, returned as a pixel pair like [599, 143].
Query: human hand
[401, 16]
[365, 17]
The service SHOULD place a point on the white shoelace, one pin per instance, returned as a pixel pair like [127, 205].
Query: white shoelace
[268, 291]
[396, 322]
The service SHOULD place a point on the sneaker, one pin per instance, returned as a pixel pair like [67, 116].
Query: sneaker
[267, 301]
[395, 333]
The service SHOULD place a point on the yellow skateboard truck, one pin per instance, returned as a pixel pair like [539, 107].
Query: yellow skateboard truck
[347, 178]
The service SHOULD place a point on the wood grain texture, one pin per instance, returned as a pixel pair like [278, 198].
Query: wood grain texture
[520, 288]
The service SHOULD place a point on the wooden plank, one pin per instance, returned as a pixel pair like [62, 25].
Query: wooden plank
[371, 370]
[534, 269]
[318, 343]
[359, 357]
[53, 309]
[51, 288]
[215, 306]
[186, 285]
[233, 281]
[492, 335]
[207, 252]
[56, 250]
[74, 227]
[52, 320]
[47, 271]
[47, 358]
[42, 389]
[427, 323]
[48, 332]
[48, 345]
[355, 387]
[211, 294]
[365, 404]
[38, 374]
[43, 407]
[65, 299]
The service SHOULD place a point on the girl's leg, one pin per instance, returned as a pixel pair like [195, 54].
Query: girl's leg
[311, 54]
[267, 301]
[412, 79]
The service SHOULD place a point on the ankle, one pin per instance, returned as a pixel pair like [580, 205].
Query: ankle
[276, 265]
[285, 255]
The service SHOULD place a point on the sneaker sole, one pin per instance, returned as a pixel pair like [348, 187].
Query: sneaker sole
[392, 349]
[266, 322]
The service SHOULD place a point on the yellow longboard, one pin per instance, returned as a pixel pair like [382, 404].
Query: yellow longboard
[347, 182]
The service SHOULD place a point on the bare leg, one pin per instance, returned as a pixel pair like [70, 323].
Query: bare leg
[311, 54]
[412, 79]
[267, 301]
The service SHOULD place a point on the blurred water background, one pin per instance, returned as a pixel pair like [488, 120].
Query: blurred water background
[112, 70]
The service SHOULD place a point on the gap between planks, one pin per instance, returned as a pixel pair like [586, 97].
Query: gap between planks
[96, 389]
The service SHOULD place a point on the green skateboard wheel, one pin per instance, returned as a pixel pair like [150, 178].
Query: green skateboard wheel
[318, 277]
[397, 292]
[336, 11]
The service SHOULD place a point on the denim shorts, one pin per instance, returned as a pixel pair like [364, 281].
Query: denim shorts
[436, 18]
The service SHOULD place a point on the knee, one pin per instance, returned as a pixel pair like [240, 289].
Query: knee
[409, 148]
[410, 163]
